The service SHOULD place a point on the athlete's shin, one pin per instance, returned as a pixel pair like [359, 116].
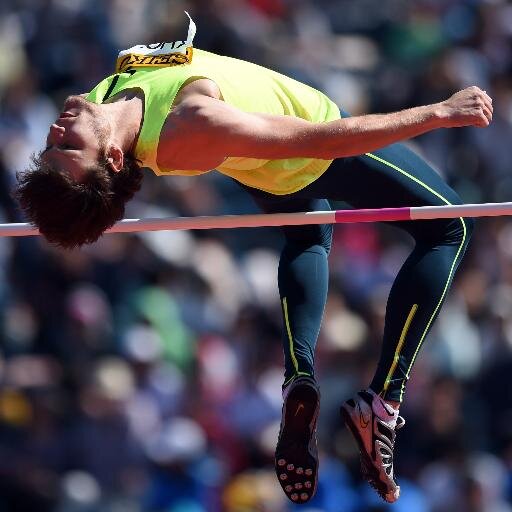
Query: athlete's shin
[415, 301]
[303, 280]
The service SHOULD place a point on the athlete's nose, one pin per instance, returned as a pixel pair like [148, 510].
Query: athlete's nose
[56, 133]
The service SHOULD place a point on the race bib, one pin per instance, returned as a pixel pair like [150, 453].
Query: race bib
[158, 54]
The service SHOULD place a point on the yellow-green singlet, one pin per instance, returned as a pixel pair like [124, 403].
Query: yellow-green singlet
[246, 86]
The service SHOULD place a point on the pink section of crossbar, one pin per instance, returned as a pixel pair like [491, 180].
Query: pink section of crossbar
[381, 215]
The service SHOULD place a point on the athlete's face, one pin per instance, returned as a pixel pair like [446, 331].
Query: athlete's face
[77, 138]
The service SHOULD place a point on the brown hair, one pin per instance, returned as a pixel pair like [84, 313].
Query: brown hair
[70, 214]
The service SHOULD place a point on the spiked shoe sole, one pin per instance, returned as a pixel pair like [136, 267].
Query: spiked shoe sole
[296, 457]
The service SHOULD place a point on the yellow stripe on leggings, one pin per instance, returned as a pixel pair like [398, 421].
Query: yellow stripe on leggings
[290, 338]
[405, 330]
[450, 275]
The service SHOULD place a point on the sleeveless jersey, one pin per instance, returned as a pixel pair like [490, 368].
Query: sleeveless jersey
[246, 86]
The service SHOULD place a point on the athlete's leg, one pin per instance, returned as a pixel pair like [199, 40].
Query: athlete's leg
[393, 177]
[302, 278]
[396, 176]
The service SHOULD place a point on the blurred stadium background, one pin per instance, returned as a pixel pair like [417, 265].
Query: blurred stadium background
[142, 374]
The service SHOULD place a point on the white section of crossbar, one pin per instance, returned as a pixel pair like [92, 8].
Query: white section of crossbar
[184, 223]
[461, 210]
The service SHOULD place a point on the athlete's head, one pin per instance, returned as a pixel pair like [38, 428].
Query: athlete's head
[78, 186]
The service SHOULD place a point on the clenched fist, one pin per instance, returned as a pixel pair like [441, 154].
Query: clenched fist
[469, 107]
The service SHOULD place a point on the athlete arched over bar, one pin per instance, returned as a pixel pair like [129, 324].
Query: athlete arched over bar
[183, 111]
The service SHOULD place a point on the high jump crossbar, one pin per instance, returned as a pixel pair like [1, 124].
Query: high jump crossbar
[290, 219]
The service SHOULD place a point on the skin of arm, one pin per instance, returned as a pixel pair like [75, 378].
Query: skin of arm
[224, 131]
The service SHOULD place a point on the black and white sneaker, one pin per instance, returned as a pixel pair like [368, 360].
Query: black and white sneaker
[296, 457]
[376, 439]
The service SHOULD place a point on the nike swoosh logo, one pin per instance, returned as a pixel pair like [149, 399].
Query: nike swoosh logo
[301, 406]
[364, 421]
[385, 406]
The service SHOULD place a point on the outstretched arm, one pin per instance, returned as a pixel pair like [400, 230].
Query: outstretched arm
[225, 131]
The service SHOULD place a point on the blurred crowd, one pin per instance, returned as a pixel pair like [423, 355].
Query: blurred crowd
[143, 373]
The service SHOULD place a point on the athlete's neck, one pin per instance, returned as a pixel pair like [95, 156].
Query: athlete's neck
[125, 112]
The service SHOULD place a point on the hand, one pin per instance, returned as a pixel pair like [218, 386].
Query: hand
[469, 107]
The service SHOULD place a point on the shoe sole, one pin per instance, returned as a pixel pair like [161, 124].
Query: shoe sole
[368, 470]
[296, 467]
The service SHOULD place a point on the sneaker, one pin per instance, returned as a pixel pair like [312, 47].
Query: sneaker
[296, 457]
[376, 439]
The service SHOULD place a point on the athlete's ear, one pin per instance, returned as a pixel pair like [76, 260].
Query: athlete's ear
[115, 158]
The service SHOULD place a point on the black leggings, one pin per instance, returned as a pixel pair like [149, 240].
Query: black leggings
[391, 177]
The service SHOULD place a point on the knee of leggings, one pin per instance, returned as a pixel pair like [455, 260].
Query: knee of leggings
[446, 231]
[470, 227]
[303, 237]
[461, 230]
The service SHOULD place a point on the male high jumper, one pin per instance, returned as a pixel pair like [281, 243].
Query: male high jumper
[184, 111]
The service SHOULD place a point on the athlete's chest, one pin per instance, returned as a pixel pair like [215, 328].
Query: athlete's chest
[177, 147]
